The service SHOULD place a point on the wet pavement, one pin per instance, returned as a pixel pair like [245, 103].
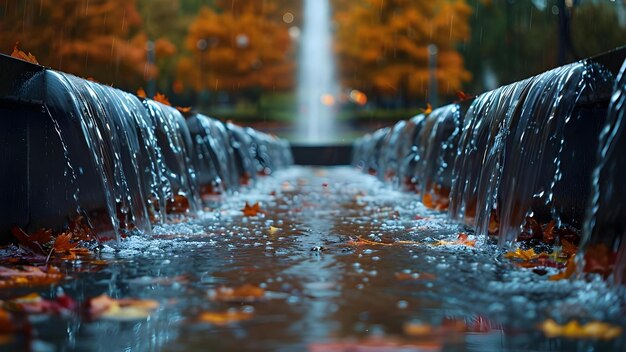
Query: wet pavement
[343, 263]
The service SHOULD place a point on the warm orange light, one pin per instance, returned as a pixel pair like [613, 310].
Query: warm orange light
[327, 99]
[358, 97]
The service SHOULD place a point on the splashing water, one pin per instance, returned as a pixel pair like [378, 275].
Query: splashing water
[317, 87]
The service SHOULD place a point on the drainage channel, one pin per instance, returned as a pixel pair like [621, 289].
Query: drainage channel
[333, 260]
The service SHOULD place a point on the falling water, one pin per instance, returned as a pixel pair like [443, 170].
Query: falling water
[604, 223]
[317, 88]
[503, 161]
[123, 163]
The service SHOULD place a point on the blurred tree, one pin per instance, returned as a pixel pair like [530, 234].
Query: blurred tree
[238, 46]
[96, 38]
[513, 40]
[165, 25]
[383, 45]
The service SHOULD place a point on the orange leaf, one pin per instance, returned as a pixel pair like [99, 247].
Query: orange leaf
[62, 243]
[161, 98]
[184, 110]
[141, 93]
[570, 269]
[427, 110]
[28, 276]
[462, 240]
[251, 210]
[245, 293]
[28, 57]
[224, 318]
[106, 307]
[526, 255]
[599, 259]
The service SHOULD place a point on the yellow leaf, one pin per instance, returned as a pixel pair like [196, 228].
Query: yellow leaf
[528, 254]
[574, 330]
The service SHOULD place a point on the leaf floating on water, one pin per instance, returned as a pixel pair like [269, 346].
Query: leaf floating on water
[224, 318]
[245, 293]
[141, 93]
[526, 255]
[105, 307]
[161, 98]
[27, 275]
[362, 241]
[35, 304]
[251, 210]
[28, 57]
[574, 330]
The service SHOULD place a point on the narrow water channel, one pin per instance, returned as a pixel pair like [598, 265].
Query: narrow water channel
[344, 264]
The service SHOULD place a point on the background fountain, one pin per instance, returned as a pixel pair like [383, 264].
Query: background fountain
[317, 86]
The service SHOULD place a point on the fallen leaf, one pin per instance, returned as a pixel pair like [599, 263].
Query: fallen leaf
[27, 275]
[161, 98]
[224, 318]
[273, 230]
[426, 110]
[362, 241]
[141, 93]
[570, 269]
[418, 329]
[245, 293]
[251, 210]
[462, 240]
[35, 304]
[526, 255]
[599, 259]
[28, 57]
[574, 330]
[62, 243]
[32, 243]
[461, 95]
[184, 110]
[105, 307]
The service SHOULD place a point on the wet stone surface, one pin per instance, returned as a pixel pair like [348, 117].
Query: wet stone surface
[344, 264]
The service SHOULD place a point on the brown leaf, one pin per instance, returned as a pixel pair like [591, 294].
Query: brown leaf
[251, 210]
[184, 110]
[63, 244]
[27, 242]
[462, 240]
[461, 95]
[599, 259]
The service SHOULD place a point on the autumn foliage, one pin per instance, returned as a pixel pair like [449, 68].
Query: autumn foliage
[383, 45]
[238, 47]
[100, 39]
